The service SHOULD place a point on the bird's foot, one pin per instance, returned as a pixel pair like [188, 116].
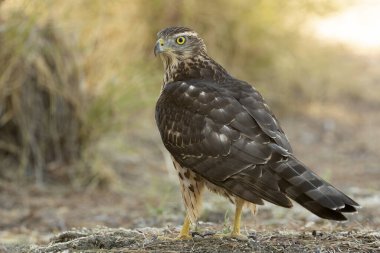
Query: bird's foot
[183, 237]
[238, 236]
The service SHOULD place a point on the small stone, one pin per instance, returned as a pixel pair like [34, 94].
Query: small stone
[209, 233]
[252, 236]
[195, 233]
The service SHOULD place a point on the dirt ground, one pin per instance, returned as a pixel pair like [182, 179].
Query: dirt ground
[162, 240]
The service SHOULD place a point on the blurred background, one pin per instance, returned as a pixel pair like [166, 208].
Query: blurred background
[79, 82]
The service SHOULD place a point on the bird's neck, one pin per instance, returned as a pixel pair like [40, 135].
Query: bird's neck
[198, 67]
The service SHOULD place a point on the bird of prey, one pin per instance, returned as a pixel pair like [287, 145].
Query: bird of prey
[222, 135]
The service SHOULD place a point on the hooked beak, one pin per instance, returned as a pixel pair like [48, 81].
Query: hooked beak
[159, 47]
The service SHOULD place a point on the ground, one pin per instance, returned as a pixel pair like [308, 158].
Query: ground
[148, 240]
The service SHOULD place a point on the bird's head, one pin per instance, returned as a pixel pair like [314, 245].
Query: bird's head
[184, 56]
[178, 44]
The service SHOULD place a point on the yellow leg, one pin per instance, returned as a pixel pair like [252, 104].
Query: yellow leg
[239, 207]
[185, 231]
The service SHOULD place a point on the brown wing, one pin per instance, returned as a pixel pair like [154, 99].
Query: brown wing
[226, 133]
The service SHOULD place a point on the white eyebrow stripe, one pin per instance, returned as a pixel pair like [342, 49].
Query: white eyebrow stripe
[187, 34]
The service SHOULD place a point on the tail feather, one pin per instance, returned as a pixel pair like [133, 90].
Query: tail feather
[311, 191]
[275, 182]
[323, 212]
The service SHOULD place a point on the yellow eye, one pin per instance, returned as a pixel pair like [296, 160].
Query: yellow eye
[180, 40]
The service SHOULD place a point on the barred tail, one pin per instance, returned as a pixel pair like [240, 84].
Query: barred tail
[312, 192]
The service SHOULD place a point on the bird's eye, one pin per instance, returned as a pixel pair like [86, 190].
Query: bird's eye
[180, 40]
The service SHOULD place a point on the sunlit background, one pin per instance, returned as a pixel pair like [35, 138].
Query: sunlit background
[79, 82]
[355, 26]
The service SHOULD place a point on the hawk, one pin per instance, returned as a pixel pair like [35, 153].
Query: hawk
[222, 135]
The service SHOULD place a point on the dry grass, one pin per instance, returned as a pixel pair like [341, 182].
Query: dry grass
[41, 100]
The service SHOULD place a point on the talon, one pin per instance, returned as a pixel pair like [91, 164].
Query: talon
[183, 237]
[239, 236]
[185, 231]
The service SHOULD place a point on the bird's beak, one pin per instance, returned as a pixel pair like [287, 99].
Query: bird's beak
[159, 47]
